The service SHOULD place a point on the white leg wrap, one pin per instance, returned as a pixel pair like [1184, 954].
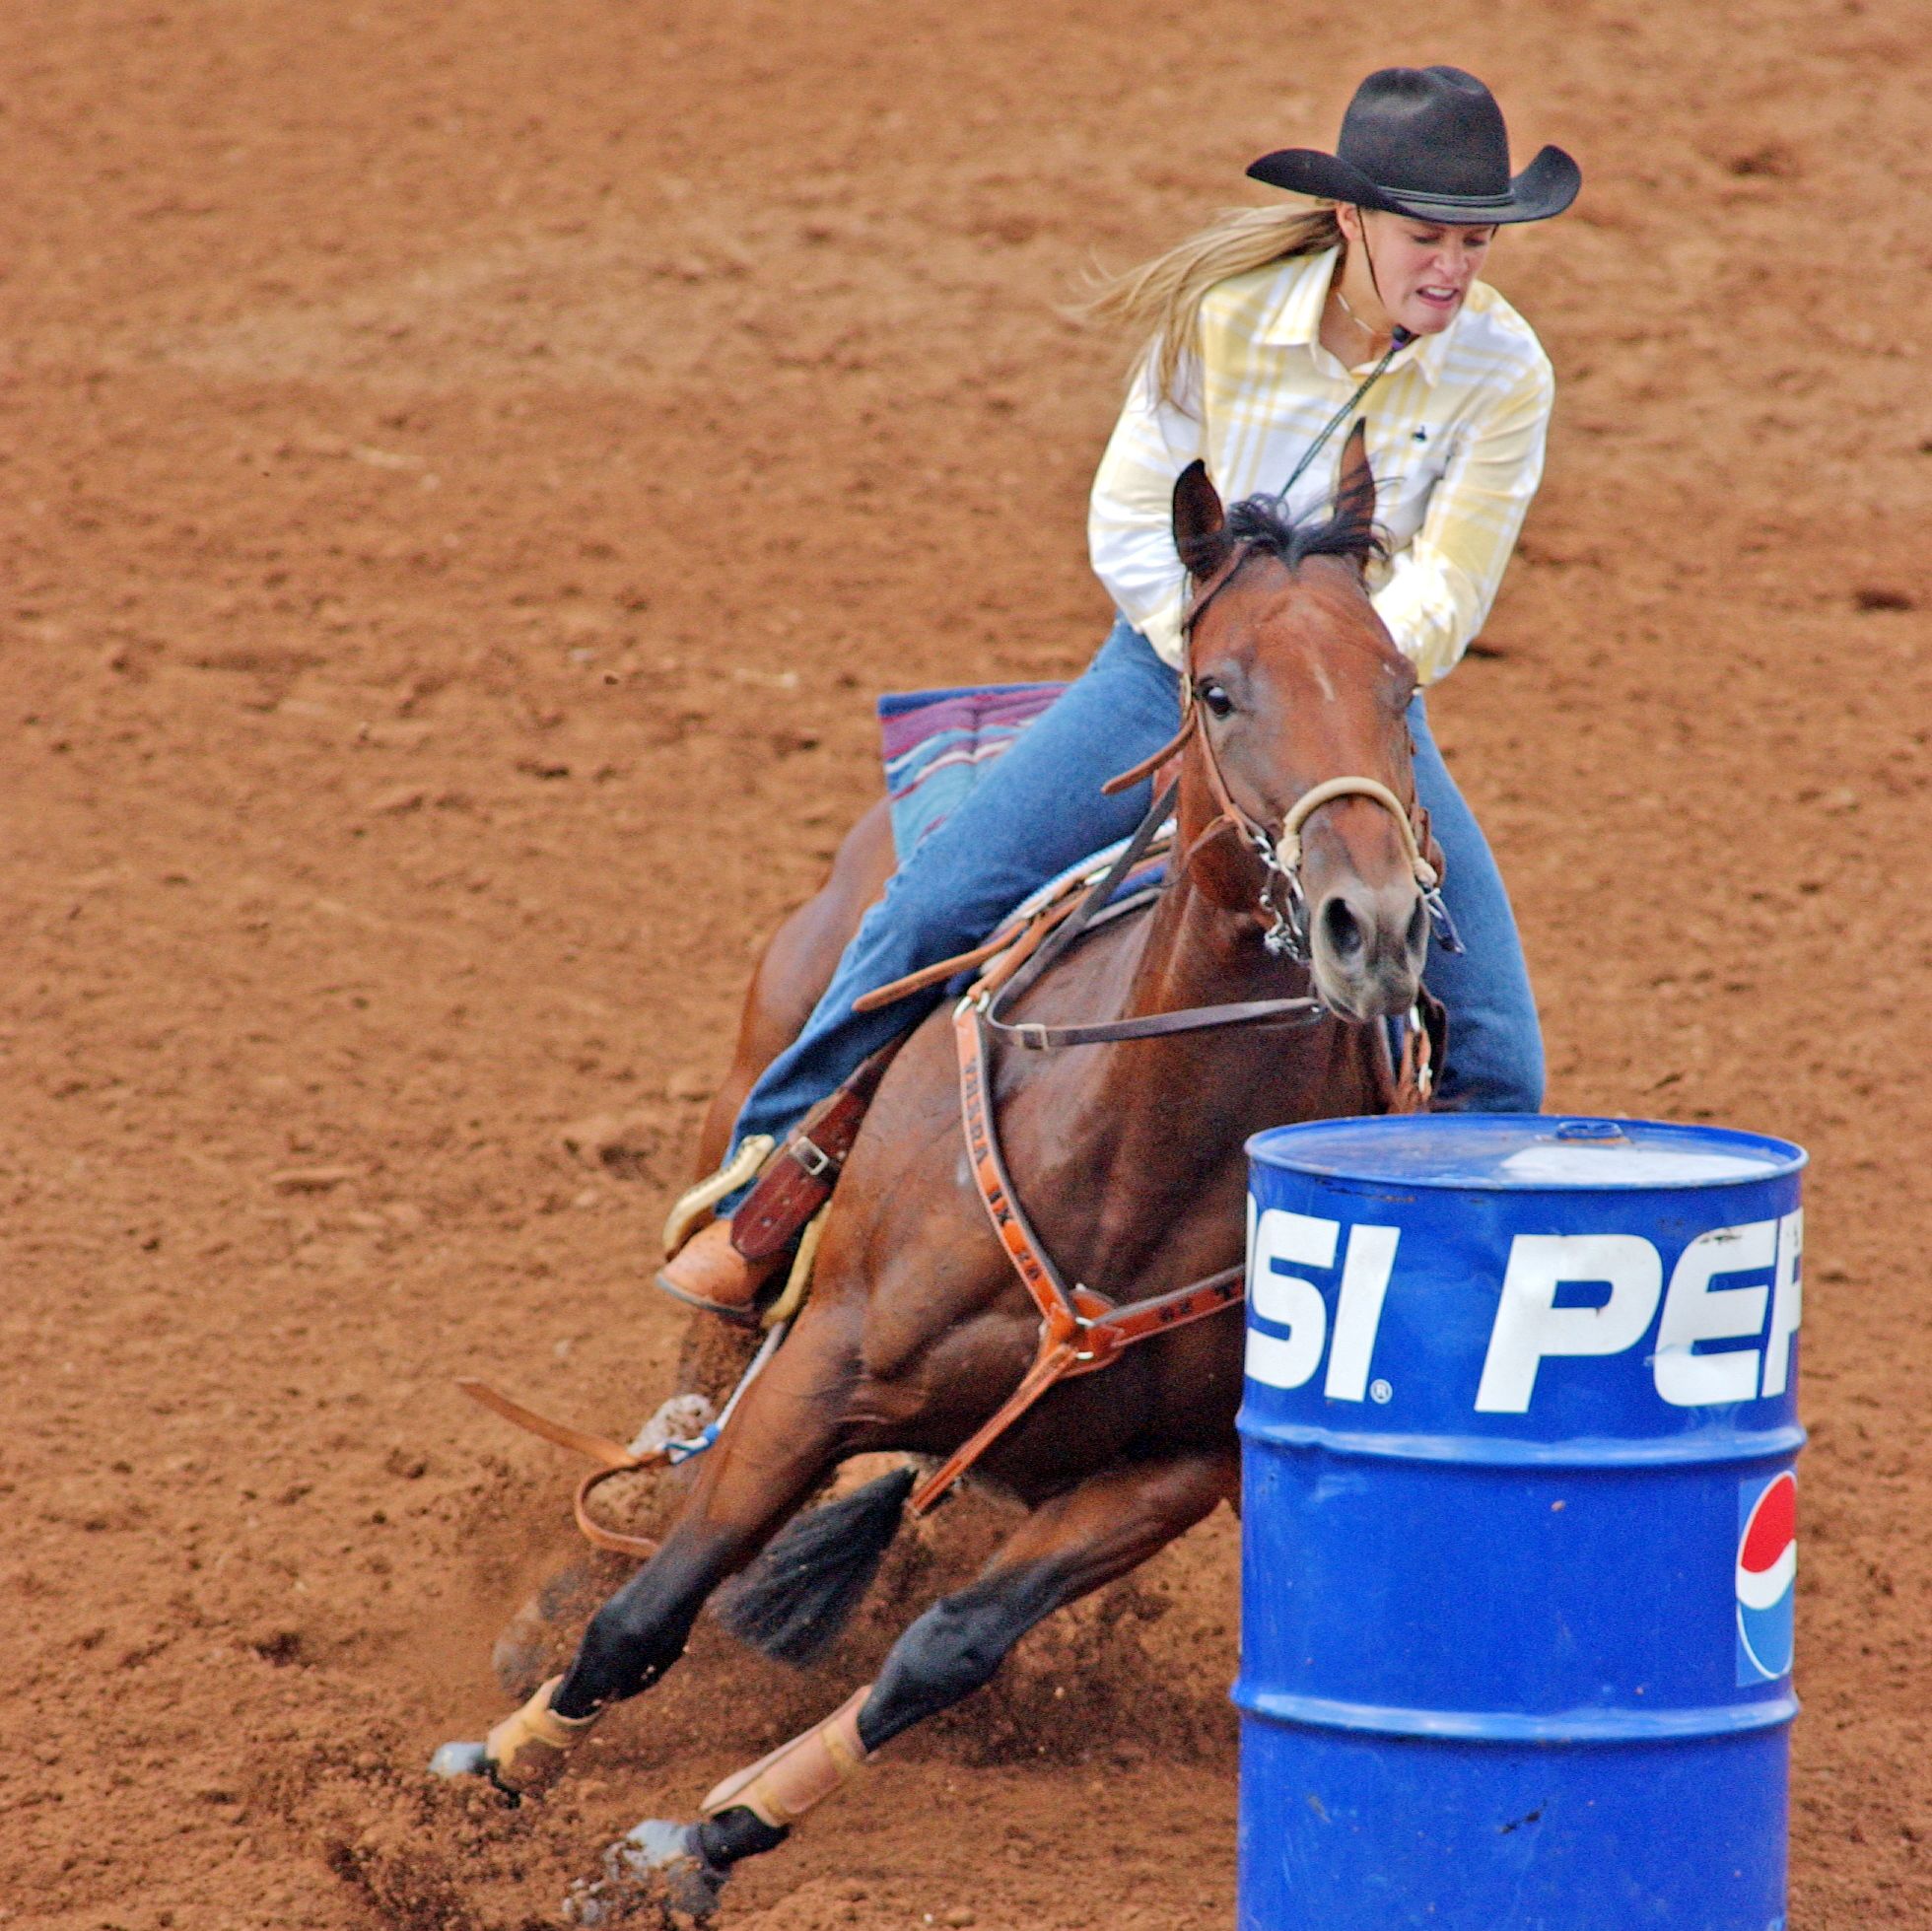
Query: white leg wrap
[526, 1750]
[781, 1788]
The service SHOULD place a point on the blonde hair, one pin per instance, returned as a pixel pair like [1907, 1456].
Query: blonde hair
[1159, 302]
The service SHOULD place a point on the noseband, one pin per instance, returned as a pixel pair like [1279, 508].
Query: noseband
[1281, 895]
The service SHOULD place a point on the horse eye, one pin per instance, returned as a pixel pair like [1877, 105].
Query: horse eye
[1217, 700]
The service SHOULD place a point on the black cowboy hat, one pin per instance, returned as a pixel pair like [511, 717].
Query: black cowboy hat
[1429, 143]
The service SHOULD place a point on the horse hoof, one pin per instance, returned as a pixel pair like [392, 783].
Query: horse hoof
[460, 1760]
[654, 1875]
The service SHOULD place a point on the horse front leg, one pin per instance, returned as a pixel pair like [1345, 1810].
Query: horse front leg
[1094, 1534]
[779, 1445]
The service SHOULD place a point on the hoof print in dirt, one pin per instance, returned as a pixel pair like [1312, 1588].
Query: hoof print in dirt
[654, 1876]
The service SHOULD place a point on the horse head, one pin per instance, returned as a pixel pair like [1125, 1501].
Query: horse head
[1298, 789]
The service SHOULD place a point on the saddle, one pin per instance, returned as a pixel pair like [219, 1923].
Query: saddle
[797, 1180]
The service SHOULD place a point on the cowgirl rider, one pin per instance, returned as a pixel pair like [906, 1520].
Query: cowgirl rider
[1261, 331]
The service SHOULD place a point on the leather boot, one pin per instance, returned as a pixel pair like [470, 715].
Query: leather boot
[709, 1272]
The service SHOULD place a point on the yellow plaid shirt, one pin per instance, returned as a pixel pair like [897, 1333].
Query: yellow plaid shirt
[1456, 428]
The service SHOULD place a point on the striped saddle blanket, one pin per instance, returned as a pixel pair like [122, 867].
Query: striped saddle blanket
[939, 744]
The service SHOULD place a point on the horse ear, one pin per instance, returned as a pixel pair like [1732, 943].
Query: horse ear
[1354, 494]
[1199, 527]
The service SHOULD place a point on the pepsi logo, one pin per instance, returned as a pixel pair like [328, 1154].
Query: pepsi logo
[1766, 1577]
[1561, 1297]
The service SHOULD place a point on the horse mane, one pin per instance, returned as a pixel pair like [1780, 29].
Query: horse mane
[1260, 526]
[1262, 522]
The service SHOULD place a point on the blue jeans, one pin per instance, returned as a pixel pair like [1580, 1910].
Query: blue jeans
[1039, 810]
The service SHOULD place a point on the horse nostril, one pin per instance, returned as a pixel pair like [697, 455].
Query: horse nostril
[1341, 928]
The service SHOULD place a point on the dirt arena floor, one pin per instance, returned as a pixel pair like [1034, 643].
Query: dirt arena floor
[466, 471]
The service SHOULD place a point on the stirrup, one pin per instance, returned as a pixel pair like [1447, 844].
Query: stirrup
[691, 1206]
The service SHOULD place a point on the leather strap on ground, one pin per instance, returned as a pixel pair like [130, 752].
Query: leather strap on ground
[612, 1458]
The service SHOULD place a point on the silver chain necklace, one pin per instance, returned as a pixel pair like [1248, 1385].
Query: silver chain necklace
[1348, 311]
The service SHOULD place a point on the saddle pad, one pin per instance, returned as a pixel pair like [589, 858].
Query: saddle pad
[1146, 877]
[937, 744]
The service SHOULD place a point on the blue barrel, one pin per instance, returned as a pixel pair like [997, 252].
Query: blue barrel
[1518, 1526]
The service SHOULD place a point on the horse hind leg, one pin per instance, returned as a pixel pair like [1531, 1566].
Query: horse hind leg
[1068, 1547]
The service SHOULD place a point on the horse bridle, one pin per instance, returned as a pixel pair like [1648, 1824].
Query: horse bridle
[1280, 854]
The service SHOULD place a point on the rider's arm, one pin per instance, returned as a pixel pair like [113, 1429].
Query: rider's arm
[1441, 585]
[1130, 515]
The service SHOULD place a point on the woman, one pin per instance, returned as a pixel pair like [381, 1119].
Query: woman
[1267, 334]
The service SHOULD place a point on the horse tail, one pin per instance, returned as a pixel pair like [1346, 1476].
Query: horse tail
[795, 1599]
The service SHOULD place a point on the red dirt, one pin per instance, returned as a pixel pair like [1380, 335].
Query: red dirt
[467, 470]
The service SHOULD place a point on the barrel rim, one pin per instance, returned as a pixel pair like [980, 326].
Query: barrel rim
[1272, 1146]
[1580, 1455]
[1585, 1726]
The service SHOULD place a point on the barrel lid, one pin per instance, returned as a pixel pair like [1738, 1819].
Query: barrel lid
[1503, 1151]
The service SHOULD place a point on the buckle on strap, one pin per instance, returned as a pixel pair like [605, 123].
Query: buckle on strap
[1031, 1035]
[813, 1158]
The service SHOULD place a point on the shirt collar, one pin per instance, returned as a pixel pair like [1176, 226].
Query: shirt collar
[1297, 319]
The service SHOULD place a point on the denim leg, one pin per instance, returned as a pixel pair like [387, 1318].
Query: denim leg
[1496, 1045]
[1037, 811]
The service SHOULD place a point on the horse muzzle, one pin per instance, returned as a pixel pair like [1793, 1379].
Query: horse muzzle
[1366, 944]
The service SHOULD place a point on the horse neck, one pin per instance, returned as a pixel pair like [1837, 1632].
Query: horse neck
[1161, 1125]
[1203, 941]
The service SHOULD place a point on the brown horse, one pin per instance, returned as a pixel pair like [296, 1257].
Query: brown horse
[1129, 1162]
